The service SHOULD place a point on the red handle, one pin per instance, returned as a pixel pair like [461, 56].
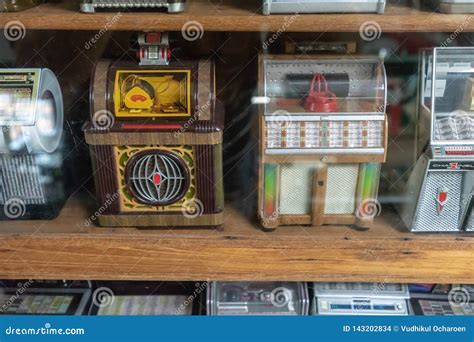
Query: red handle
[320, 79]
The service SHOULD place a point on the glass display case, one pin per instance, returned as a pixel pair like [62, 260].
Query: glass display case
[323, 6]
[439, 193]
[257, 298]
[322, 121]
[361, 299]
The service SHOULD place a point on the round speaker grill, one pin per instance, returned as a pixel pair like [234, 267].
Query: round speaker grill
[157, 177]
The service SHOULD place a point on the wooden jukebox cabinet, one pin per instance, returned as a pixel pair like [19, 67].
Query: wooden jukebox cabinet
[156, 140]
[323, 139]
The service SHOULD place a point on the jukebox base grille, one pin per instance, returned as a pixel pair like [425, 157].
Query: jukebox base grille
[296, 189]
[341, 189]
[20, 178]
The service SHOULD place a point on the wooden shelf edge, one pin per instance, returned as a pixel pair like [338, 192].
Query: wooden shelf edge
[232, 15]
[66, 249]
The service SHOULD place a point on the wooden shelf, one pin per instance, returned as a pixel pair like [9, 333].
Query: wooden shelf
[236, 15]
[66, 248]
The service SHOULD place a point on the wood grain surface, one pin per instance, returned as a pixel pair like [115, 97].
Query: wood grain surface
[66, 248]
[237, 15]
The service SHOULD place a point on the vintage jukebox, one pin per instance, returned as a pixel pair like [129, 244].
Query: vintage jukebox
[172, 6]
[257, 298]
[375, 299]
[156, 140]
[323, 6]
[323, 139]
[439, 192]
[31, 153]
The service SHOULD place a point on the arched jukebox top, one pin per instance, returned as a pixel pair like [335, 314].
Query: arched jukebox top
[447, 101]
[310, 85]
[176, 96]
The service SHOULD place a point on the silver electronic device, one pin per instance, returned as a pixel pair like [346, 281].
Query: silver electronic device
[257, 298]
[361, 299]
[323, 6]
[172, 6]
[439, 193]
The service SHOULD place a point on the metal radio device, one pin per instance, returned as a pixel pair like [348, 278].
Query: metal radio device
[257, 298]
[172, 6]
[361, 299]
[323, 6]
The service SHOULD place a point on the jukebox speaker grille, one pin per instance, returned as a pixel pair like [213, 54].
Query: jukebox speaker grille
[157, 177]
[429, 217]
[20, 178]
[296, 189]
[341, 189]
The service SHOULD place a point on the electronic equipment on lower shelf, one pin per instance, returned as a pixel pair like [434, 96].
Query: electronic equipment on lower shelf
[156, 141]
[30, 297]
[257, 298]
[440, 190]
[323, 137]
[18, 5]
[452, 6]
[456, 300]
[361, 299]
[31, 156]
[172, 6]
[149, 299]
[323, 6]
